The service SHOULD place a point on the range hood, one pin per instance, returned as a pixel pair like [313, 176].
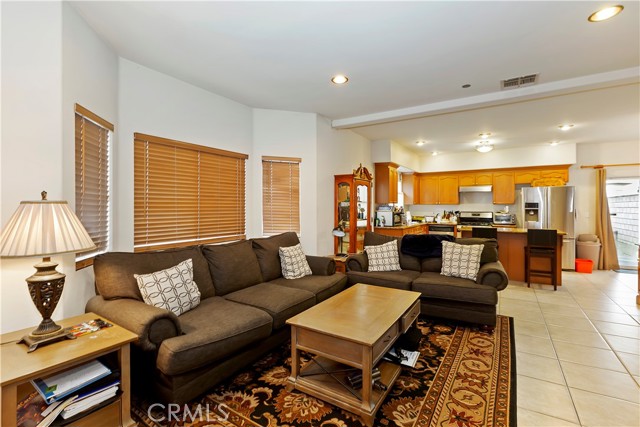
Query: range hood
[475, 189]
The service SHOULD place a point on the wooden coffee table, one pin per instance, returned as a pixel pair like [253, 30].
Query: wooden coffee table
[347, 333]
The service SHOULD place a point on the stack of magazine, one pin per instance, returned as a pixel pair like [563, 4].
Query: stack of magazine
[69, 395]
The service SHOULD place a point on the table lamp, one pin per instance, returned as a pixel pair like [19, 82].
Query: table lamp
[43, 228]
[339, 233]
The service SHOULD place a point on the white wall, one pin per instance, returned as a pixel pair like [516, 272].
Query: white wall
[94, 85]
[31, 156]
[286, 134]
[585, 179]
[383, 151]
[153, 103]
[563, 154]
[339, 152]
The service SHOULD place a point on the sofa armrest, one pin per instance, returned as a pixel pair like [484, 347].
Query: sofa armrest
[152, 324]
[321, 265]
[493, 274]
[357, 262]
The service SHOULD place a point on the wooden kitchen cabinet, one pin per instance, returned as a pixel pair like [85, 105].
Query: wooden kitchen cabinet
[563, 174]
[504, 188]
[475, 178]
[386, 184]
[526, 176]
[428, 189]
[410, 188]
[448, 190]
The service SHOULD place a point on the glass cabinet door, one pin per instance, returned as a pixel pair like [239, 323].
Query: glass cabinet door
[344, 214]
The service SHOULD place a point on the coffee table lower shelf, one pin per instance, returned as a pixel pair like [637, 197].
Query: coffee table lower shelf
[327, 380]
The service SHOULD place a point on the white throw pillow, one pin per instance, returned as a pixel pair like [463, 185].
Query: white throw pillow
[294, 262]
[460, 260]
[172, 289]
[383, 257]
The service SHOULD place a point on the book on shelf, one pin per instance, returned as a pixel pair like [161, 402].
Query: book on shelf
[60, 385]
[30, 410]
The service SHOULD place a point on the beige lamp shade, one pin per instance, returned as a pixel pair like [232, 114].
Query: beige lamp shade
[44, 228]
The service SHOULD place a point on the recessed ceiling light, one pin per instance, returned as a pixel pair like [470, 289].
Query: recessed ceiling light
[434, 153]
[466, 86]
[484, 146]
[339, 79]
[606, 13]
[485, 135]
[420, 143]
[554, 143]
[565, 127]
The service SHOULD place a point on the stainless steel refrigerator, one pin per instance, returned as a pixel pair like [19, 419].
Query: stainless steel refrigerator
[552, 207]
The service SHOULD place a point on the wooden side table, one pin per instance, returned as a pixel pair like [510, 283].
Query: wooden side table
[18, 367]
[341, 262]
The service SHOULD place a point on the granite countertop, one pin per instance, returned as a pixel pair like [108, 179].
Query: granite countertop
[402, 227]
[514, 230]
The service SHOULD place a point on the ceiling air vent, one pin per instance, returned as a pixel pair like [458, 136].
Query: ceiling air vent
[517, 82]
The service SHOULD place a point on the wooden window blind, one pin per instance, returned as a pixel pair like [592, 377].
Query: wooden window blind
[186, 194]
[280, 195]
[93, 138]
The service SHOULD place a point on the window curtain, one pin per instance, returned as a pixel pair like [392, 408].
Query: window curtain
[609, 254]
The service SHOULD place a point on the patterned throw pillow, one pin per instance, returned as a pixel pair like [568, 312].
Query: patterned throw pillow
[461, 260]
[294, 262]
[172, 289]
[383, 257]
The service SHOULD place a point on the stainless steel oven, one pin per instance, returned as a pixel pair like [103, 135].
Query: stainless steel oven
[504, 219]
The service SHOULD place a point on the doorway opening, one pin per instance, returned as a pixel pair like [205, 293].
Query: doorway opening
[624, 204]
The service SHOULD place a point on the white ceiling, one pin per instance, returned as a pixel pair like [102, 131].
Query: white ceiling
[406, 62]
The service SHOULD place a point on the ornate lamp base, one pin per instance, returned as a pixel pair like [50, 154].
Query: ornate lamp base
[45, 288]
[33, 341]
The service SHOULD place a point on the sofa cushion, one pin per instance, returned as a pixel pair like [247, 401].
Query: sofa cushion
[434, 285]
[322, 287]
[490, 250]
[233, 266]
[383, 257]
[407, 262]
[172, 289]
[266, 250]
[279, 301]
[461, 260]
[431, 264]
[213, 331]
[293, 262]
[114, 270]
[391, 279]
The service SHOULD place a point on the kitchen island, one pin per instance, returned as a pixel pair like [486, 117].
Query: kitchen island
[511, 244]
[415, 228]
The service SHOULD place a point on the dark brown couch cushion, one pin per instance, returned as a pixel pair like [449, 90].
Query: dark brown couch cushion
[216, 329]
[391, 279]
[233, 266]
[114, 270]
[435, 285]
[279, 301]
[266, 250]
[322, 287]
[407, 262]
[490, 250]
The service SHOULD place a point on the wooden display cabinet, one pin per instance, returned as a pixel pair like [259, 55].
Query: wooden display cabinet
[352, 209]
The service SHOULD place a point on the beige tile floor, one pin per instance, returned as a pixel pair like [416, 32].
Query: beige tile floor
[577, 350]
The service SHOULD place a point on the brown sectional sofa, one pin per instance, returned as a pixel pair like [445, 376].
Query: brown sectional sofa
[442, 296]
[245, 303]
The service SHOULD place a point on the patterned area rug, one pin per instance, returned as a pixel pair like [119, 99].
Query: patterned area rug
[465, 377]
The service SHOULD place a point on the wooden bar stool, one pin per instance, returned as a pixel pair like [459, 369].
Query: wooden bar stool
[486, 233]
[541, 243]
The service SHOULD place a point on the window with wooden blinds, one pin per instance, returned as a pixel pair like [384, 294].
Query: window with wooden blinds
[280, 195]
[186, 194]
[93, 139]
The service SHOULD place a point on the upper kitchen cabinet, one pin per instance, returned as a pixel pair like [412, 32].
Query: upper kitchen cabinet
[528, 175]
[504, 188]
[410, 188]
[448, 190]
[386, 185]
[436, 189]
[525, 176]
[475, 178]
